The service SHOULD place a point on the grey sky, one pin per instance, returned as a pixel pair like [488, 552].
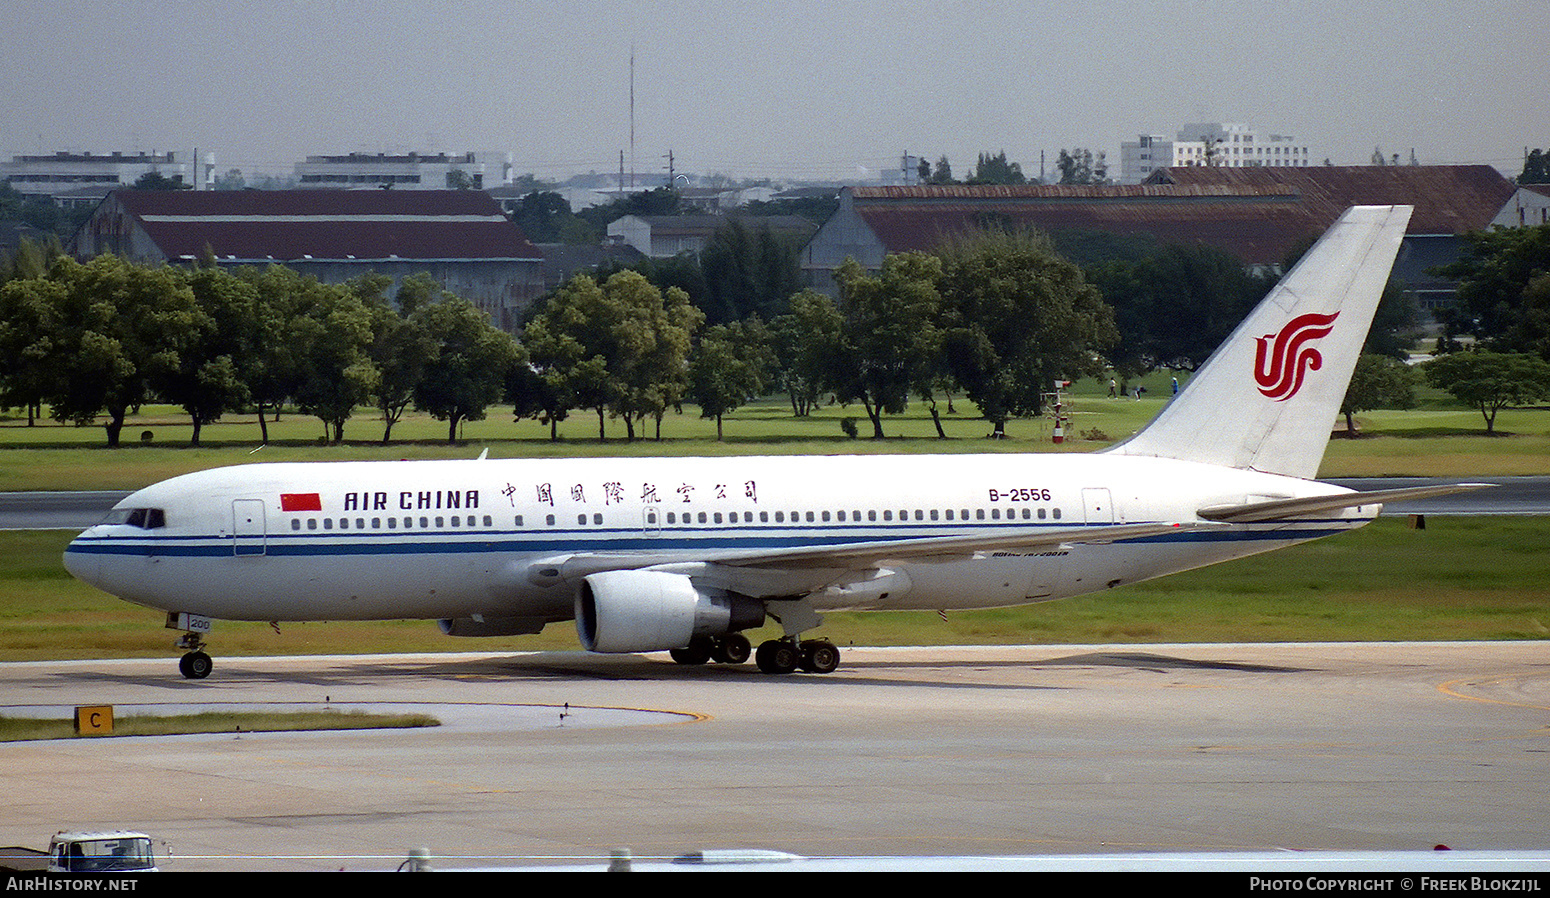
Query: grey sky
[779, 88]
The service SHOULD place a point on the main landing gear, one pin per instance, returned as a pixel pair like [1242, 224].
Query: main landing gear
[732, 648]
[783, 656]
[776, 656]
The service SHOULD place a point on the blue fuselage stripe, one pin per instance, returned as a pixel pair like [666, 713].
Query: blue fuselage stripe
[667, 541]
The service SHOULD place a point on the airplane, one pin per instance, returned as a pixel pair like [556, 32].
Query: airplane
[685, 554]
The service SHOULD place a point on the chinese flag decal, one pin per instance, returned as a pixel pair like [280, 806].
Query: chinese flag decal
[1282, 360]
[301, 502]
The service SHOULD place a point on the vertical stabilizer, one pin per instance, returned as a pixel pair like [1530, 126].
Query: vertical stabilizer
[1269, 395]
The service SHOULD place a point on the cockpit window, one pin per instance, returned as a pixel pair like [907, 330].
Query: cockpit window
[144, 518]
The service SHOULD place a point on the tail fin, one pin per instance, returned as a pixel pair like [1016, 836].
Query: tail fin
[1267, 398]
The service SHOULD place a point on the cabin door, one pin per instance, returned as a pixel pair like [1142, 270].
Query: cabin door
[1098, 506]
[247, 527]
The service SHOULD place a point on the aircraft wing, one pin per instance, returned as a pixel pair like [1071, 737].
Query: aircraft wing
[1275, 509]
[801, 562]
[948, 547]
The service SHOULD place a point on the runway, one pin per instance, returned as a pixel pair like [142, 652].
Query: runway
[923, 751]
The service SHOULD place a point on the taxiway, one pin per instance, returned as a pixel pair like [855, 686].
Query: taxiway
[561, 757]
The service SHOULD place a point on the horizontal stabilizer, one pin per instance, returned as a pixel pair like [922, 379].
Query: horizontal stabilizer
[1276, 509]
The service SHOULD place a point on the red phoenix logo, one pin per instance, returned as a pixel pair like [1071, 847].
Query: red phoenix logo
[1281, 361]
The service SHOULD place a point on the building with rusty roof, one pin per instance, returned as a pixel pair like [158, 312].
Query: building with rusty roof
[460, 237]
[1450, 201]
[1261, 215]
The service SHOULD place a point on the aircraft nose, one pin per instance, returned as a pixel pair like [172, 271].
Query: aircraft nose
[82, 564]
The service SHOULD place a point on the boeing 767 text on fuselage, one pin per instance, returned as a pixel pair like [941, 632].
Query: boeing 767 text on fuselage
[684, 554]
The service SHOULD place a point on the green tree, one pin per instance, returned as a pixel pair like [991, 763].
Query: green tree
[545, 217]
[468, 371]
[207, 380]
[1379, 381]
[728, 367]
[1491, 381]
[1495, 300]
[1081, 166]
[272, 367]
[747, 271]
[331, 338]
[889, 341]
[997, 170]
[805, 340]
[617, 348]
[1536, 168]
[1018, 317]
[153, 180]
[122, 328]
[30, 335]
[400, 347]
[653, 343]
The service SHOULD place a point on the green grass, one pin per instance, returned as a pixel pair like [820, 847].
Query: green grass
[1466, 578]
[1439, 438]
[1463, 578]
[20, 729]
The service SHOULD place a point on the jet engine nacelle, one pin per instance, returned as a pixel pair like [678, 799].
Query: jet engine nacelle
[649, 611]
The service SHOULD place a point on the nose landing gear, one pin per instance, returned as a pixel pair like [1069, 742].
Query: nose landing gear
[195, 664]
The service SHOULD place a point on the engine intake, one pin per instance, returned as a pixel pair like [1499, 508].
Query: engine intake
[649, 611]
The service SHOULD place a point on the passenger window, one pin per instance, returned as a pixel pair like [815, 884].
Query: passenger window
[295, 523]
[328, 523]
[764, 517]
[597, 518]
[1057, 514]
[581, 519]
[519, 521]
[312, 523]
[549, 519]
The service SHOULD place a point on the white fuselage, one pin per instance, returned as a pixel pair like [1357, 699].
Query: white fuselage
[459, 539]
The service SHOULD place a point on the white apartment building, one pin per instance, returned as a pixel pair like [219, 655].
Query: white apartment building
[410, 171]
[1228, 145]
[88, 177]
